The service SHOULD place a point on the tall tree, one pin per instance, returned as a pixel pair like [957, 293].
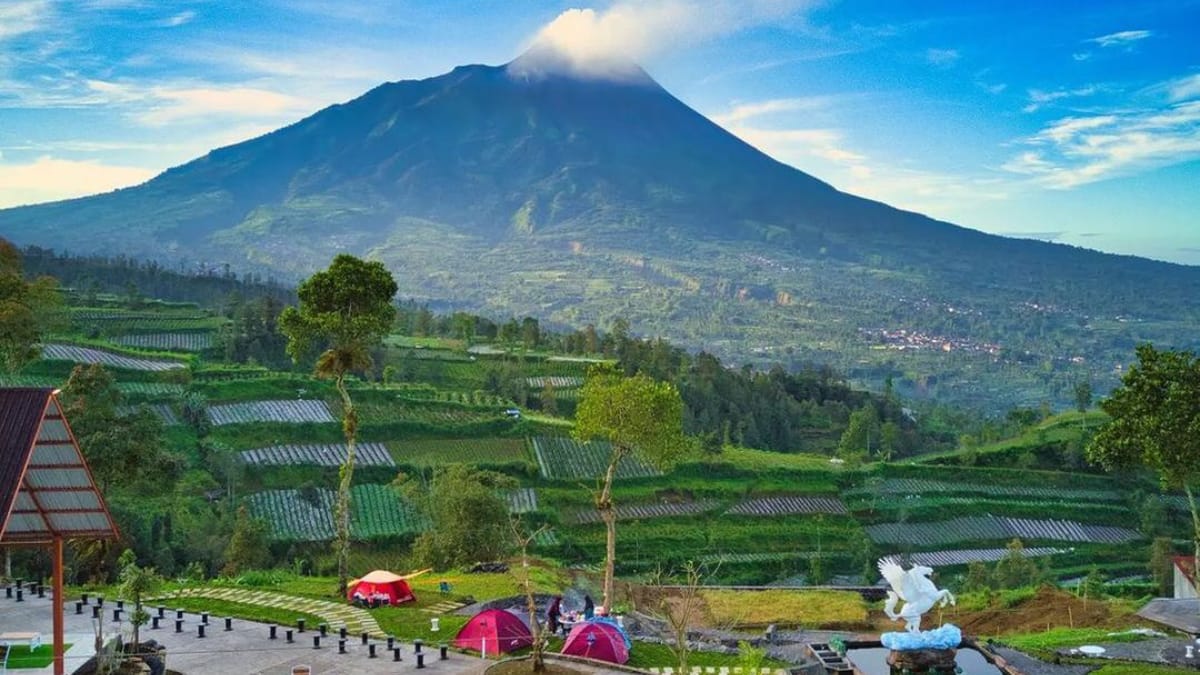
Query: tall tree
[28, 310]
[470, 520]
[1083, 400]
[346, 310]
[637, 416]
[1155, 422]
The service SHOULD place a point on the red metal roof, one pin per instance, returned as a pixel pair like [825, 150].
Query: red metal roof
[1187, 565]
[46, 488]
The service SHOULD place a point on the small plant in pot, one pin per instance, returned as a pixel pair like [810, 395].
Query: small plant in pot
[137, 583]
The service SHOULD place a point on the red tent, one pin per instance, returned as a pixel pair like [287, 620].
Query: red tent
[597, 640]
[379, 585]
[494, 631]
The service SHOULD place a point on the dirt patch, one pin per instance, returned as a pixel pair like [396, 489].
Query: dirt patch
[1048, 608]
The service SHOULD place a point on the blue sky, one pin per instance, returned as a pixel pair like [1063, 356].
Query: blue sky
[1073, 121]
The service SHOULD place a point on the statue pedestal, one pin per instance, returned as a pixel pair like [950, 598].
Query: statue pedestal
[922, 662]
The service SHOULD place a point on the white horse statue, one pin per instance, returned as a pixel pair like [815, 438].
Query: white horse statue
[915, 589]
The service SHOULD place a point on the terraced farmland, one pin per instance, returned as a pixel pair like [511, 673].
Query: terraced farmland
[563, 458]
[969, 555]
[60, 352]
[785, 505]
[427, 413]
[270, 411]
[318, 454]
[434, 452]
[521, 500]
[164, 412]
[124, 321]
[556, 381]
[916, 486]
[647, 511]
[187, 342]
[992, 528]
[376, 511]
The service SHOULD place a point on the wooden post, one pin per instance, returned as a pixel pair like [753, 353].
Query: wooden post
[57, 574]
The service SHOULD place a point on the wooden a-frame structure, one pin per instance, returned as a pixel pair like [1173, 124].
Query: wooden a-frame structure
[47, 493]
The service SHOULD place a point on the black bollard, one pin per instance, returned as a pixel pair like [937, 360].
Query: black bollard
[299, 625]
[442, 651]
[324, 628]
[371, 650]
[79, 608]
[179, 614]
[41, 591]
[395, 653]
[274, 634]
[100, 600]
[204, 618]
[85, 598]
[20, 595]
[178, 625]
[391, 642]
[228, 623]
[417, 645]
[8, 592]
[95, 611]
[120, 604]
[342, 632]
[116, 614]
[316, 642]
[200, 630]
[162, 612]
[366, 637]
[420, 660]
[341, 646]
[289, 636]
[154, 622]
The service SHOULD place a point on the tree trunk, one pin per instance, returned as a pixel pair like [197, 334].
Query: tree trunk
[341, 509]
[609, 515]
[1195, 536]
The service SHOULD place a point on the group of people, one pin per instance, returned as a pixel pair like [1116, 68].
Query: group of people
[554, 614]
[372, 601]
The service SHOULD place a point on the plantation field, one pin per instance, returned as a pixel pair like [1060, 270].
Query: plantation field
[318, 454]
[61, 352]
[521, 500]
[765, 460]
[112, 321]
[784, 505]
[647, 511]
[964, 556]
[376, 511]
[424, 413]
[917, 486]
[993, 528]
[556, 381]
[187, 342]
[563, 458]
[433, 452]
[270, 411]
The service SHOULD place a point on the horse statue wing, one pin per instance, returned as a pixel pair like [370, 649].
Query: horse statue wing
[895, 575]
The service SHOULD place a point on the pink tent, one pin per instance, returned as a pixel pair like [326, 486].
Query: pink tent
[494, 631]
[597, 640]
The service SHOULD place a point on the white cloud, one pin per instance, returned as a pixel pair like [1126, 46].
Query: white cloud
[1081, 56]
[744, 111]
[1074, 151]
[1123, 38]
[941, 57]
[49, 178]
[1039, 98]
[179, 19]
[18, 17]
[199, 103]
[606, 43]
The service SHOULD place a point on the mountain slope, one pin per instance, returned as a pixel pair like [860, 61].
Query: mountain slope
[515, 190]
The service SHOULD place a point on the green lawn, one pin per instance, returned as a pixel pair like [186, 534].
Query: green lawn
[239, 610]
[21, 657]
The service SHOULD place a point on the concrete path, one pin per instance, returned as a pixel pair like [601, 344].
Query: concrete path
[336, 614]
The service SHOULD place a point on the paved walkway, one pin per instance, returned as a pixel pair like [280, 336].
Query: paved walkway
[337, 614]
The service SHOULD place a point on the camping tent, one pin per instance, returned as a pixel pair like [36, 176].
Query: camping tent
[494, 631]
[381, 584]
[597, 640]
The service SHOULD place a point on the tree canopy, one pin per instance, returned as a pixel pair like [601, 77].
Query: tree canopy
[28, 309]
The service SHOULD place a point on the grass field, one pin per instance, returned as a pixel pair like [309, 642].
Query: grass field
[785, 608]
[433, 452]
[20, 657]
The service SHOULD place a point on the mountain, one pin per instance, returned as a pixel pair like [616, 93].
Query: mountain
[525, 188]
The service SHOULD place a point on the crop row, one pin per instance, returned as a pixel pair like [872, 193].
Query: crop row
[969, 555]
[917, 486]
[318, 454]
[556, 381]
[162, 410]
[783, 505]
[432, 452]
[270, 411]
[87, 355]
[187, 342]
[988, 528]
[644, 511]
[564, 458]
[521, 500]
[384, 413]
[376, 511]
[731, 558]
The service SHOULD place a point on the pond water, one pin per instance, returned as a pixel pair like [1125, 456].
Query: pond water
[874, 662]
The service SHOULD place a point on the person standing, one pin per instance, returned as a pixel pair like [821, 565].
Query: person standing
[589, 607]
[553, 614]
